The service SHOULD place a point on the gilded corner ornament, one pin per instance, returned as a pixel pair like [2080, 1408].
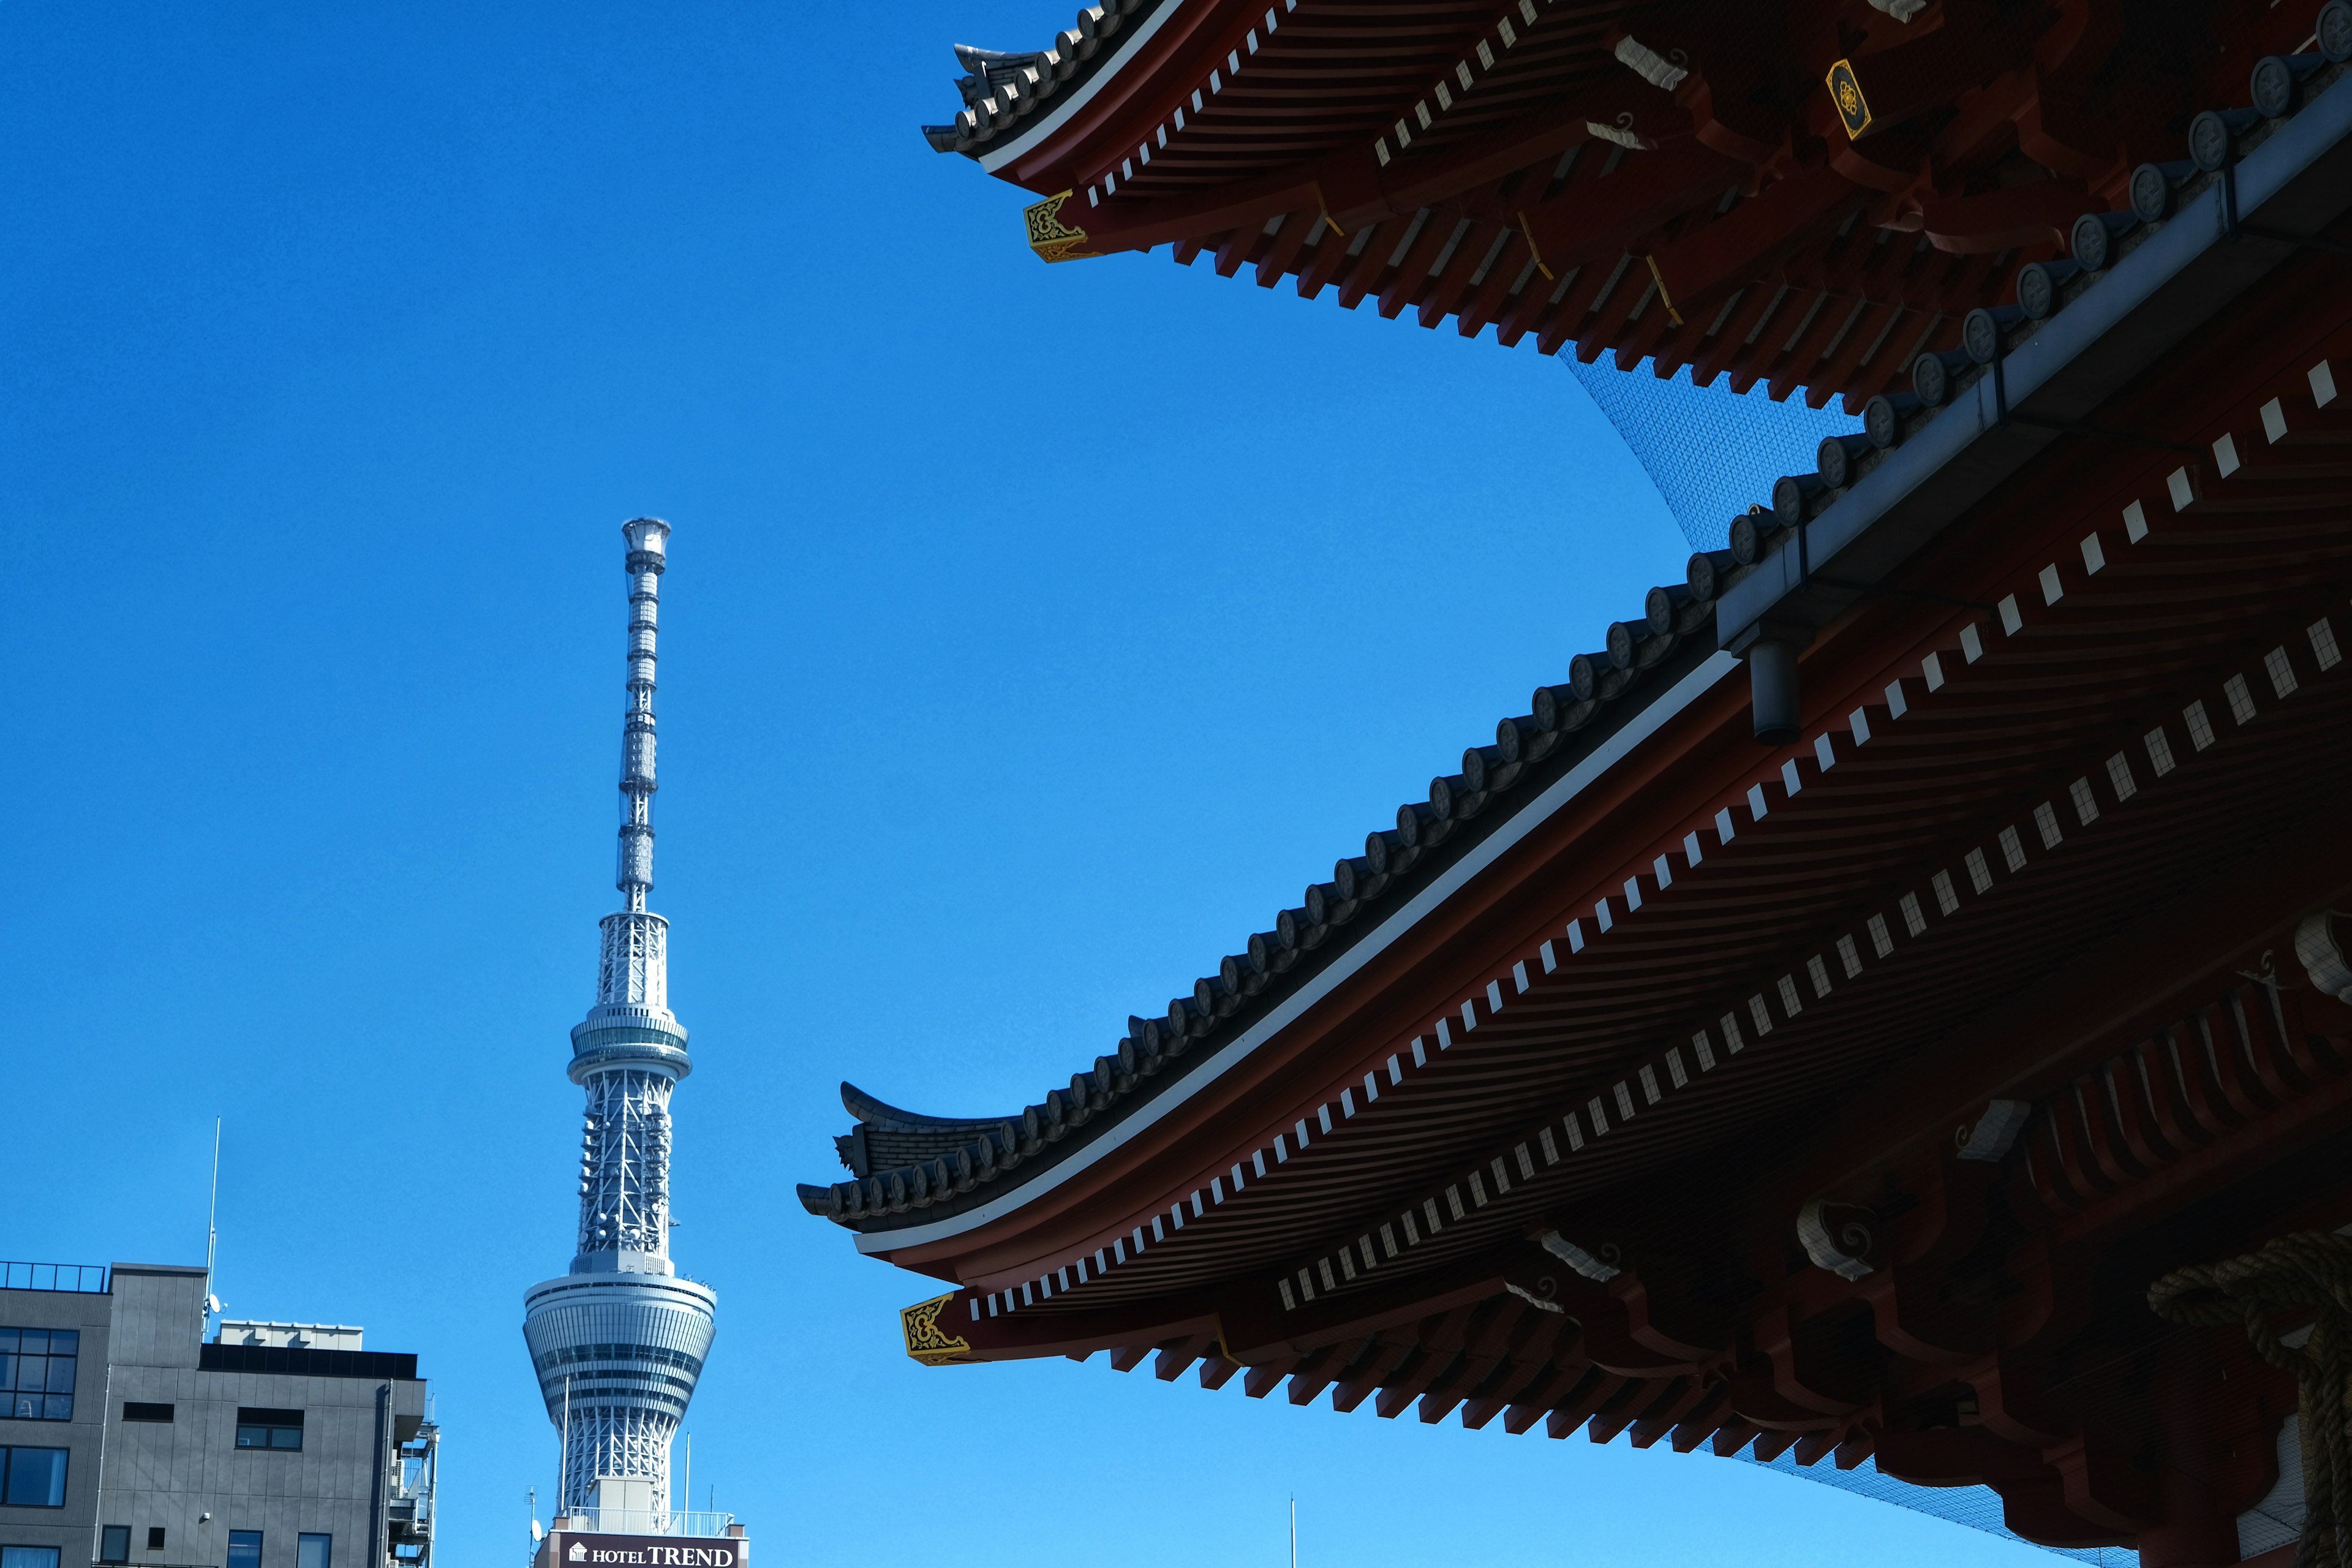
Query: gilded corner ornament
[925, 1341]
[1845, 91]
[1049, 237]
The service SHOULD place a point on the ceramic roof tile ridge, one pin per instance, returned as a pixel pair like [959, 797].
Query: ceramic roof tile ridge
[906, 1162]
[1003, 89]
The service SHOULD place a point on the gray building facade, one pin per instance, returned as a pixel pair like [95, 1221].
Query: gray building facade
[126, 1437]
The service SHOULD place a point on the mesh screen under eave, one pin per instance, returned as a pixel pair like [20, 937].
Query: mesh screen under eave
[1712, 453]
[1979, 1508]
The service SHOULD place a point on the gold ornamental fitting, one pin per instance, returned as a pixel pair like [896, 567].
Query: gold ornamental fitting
[1049, 237]
[925, 1341]
[1845, 91]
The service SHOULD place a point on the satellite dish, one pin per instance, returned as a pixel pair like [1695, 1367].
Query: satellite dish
[536, 1534]
[212, 1304]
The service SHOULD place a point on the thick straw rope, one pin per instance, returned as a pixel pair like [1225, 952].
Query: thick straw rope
[2309, 1270]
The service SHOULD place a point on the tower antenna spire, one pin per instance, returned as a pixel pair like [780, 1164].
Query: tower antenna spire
[623, 1317]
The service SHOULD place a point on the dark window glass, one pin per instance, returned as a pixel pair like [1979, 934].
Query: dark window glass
[36, 1478]
[260, 1428]
[154, 1538]
[36, 1374]
[269, 1436]
[245, 1548]
[114, 1543]
[315, 1551]
[135, 1411]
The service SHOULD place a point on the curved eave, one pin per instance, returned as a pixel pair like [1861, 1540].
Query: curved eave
[1016, 126]
[892, 1236]
[884, 1117]
[1035, 146]
[911, 1168]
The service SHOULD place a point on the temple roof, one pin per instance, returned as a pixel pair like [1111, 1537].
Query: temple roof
[1843, 1094]
[1676, 182]
[906, 1167]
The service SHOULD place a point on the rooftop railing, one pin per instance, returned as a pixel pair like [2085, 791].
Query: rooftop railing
[645, 1522]
[88, 1278]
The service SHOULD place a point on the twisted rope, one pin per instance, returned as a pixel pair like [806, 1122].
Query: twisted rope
[2309, 1270]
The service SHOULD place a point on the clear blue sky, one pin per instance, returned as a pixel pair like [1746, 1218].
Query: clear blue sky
[1034, 634]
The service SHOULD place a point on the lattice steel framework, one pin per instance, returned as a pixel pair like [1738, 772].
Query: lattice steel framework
[616, 1440]
[625, 1163]
[619, 1342]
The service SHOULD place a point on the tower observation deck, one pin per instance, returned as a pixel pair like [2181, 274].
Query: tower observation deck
[618, 1340]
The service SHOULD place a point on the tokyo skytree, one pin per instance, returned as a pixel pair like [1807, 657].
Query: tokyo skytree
[618, 1341]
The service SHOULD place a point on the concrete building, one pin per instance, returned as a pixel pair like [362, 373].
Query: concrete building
[129, 1438]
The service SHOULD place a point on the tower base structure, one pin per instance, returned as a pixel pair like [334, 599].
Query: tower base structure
[617, 1354]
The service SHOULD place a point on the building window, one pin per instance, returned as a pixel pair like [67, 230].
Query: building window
[154, 1538]
[114, 1543]
[36, 1373]
[245, 1548]
[34, 1477]
[315, 1551]
[135, 1411]
[28, 1557]
[264, 1428]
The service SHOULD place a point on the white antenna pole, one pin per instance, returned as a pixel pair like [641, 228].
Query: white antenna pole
[212, 1229]
[1294, 1530]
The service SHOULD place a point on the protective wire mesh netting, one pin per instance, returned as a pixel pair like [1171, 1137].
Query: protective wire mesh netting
[1712, 452]
[1979, 1508]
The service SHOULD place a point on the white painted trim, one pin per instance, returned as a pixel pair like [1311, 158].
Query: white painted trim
[990, 161]
[1565, 789]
